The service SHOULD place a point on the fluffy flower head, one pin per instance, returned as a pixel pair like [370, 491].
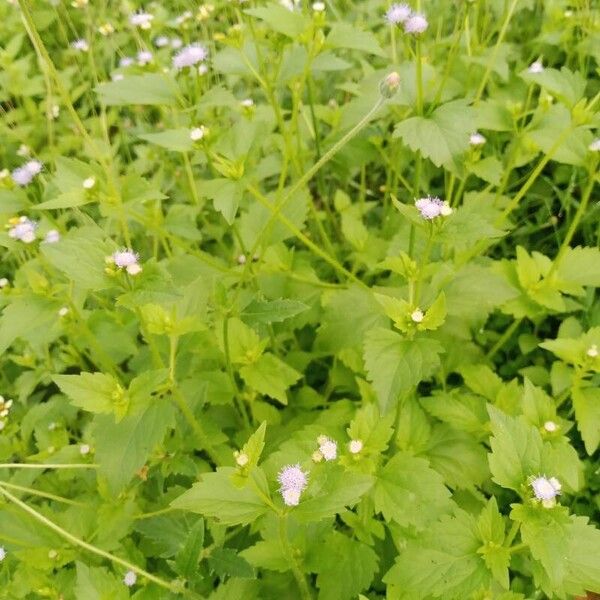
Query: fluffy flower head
[416, 24]
[432, 207]
[545, 489]
[143, 20]
[355, 446]
[327, 447]
[130, 578]
[22, 229]
[190, 56]
[52, 237]
[292, 477]
[80, 45]
[397, 13]
[476, 139]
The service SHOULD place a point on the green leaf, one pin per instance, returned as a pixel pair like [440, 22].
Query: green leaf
[345, 567]
[489, 169]
[226, 195]
[81, 256]
[586, 402]
[516, 450]
[123, 448]
[27, 315]
[395, 365]
[177, 140]
[97, 583]
[226, 561]
[409, 492]
[289, 22]
[152, 88]
[441, 137]
[187, 559]
[271, 376]
[94, 392]
[547, 532]
[339, 490]
[216, 496]
[491, 531]
[345, 35]
[334, 333]
[567, 86]
[272, 311]
[442, 562]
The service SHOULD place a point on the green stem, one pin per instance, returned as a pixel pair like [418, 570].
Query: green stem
[488, 69]
[287, 548]
[34, 492]
[81, 543]
[503, 339]
[574, 224]
[48, 466]
[240, 402]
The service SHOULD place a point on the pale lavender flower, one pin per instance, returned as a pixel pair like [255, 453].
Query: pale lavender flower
[34, 167]
[292, 477]
[190, 56]
[126, 61]
[536, 67]
[397, 13]
[432, 207]
[415, 24]
[144, 57]
[176, 43]
[130, 578]
[21, 176]
[143, 20]
[80, 45]
[22, 229]
[126, 259]
[545, 489]
[52, 237]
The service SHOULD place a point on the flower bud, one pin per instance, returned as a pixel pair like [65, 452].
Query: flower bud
[389, 86]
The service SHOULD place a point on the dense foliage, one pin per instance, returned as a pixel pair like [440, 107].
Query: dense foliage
[299, 301]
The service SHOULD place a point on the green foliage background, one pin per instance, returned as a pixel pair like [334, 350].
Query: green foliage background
[283, 263]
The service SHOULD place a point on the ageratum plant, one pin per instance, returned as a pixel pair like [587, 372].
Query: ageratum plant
[299, 300]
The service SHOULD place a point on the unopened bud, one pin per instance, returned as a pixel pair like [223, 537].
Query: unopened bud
[389, 86]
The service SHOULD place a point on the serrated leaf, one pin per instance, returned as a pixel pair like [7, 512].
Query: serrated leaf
[441, 137]
[272, 311]
[123, 448]
[345, 35]
[409, 492]
[216, 496]
[443, 562]
[94, 392]
[395, 365]
[516, 450]
[226, 561]
[586, 402]
[187, 559]
[280, 19]
[271, 376]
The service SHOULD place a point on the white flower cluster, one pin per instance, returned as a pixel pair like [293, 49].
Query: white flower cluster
[476, 139]
[5, 406]
[401, 14]
[22, 229]
[545, 490]
[24, 175]
[327, 449]
[536, 67]
[126, 259]
[293, 481]
[595, 145]
[130, 578]
[141, 19]
[432, 207]
[80, 45]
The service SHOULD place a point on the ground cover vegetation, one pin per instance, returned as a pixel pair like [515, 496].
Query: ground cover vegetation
[299, 300]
